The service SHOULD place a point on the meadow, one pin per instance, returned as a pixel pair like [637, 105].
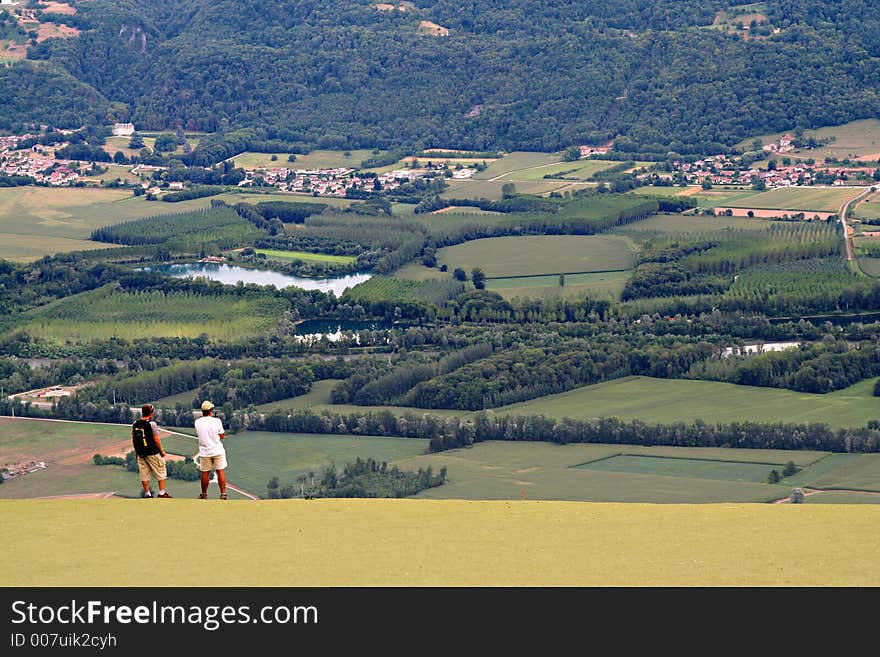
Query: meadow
[517, 161]
[673, 400]
[857, 139]
[107, 312]
[869, 208]
[806, 199]
[542, 254]
[491, 189]
[273, 254]
[544, 471]
[422, 543]
[688, 224]
[870, 266]
[319, 159]
[41, 221]
[602, 285]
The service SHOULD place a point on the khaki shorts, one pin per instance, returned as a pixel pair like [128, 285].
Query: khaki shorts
[208, 463]
[152, 465]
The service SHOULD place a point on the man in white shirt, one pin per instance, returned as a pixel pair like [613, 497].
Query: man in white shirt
[212, 455]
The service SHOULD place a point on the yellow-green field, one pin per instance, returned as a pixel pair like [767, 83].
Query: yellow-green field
[308, 257]
[446, 543]
[542, 254]
[517, 161]
[797, 198]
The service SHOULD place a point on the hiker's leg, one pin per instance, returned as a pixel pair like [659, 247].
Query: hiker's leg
[162, 485]
[221, 481]
[206, 477]
[146, 485]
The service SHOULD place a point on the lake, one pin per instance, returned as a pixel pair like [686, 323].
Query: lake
[332, 329]
[231, 274]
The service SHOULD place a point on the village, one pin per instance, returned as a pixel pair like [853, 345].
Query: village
[782, 172]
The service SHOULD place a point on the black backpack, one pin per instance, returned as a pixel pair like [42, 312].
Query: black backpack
[142, 438]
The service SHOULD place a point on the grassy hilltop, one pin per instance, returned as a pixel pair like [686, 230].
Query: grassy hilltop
[425, 543]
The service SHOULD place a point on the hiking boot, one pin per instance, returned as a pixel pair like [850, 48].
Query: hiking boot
[164, 495]
[222, 496]
[146, 495]
[203, 496]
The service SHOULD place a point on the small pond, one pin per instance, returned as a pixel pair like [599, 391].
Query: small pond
[231, 274]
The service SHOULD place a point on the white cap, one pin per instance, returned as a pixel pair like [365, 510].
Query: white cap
[207, 406]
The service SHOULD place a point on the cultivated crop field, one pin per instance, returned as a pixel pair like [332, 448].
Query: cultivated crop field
[107, 313]
[543, 254]
[421, 543]
[308, 257]
[672, 400]
[796, 198]
[578, 170]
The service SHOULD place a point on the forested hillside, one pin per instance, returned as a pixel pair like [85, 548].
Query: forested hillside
[658, 76]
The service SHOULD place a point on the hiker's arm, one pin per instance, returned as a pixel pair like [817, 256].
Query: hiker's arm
[156, 432]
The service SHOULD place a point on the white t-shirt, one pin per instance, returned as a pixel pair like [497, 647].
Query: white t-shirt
[209, 429]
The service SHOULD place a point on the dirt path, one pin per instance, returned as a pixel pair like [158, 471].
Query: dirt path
[847, 229]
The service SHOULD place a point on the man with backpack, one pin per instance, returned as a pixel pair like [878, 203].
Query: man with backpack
[150, 455]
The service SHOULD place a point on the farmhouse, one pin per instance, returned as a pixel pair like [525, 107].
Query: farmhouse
[123, 129]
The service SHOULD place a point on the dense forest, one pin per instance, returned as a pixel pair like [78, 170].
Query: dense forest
[654, 75]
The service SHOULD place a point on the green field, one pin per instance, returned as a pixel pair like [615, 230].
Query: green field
[871, 266]
[796, 198]
[308, 257]
[662, 400]
[869, 208]
[320, 159]
[837, 497]
[491, 189]
[673, 466]
[257, 456]
[542, 254]
[517, 161]
[40, 221]
[672, 400]
[677, 223]
[605, 285]
[543, 471]
[577, 170]
[854, 140]
[105, 313]
[318, 395]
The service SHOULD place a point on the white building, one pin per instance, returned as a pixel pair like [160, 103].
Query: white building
[123, 129]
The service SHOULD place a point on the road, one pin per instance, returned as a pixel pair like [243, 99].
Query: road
[847, 229]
